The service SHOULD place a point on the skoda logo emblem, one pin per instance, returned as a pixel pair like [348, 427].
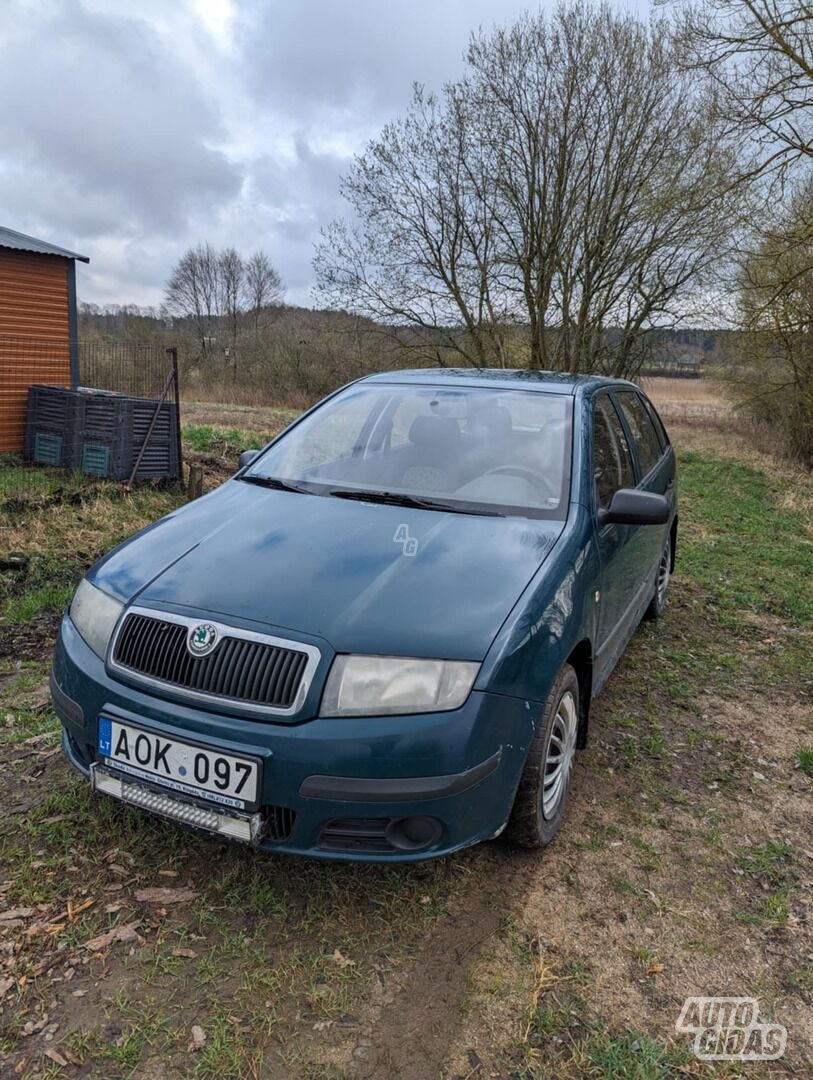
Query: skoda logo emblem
[202, 639]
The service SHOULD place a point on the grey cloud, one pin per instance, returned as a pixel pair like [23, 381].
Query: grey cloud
[300, 190]
[360, 58]
[102, 110]
[128, 133]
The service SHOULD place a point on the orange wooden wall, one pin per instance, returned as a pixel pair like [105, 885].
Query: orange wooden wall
[34, 312]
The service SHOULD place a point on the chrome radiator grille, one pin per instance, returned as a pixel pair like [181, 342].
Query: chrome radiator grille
[240, 668]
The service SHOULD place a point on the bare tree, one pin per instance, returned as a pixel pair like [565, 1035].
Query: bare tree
[215, 288]
[194, 291]
[760, 55]
[423, 258]
[773, 372]
[232, 276]
[262, 285]
[563, 197]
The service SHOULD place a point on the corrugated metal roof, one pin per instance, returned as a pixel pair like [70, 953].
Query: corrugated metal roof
[10, 238]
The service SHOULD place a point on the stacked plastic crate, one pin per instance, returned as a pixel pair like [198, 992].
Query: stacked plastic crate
[101, 433]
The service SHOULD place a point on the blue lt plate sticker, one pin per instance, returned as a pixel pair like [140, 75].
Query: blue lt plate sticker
[105, 736]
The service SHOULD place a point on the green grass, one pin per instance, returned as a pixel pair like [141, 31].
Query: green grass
[208, 439]
[749, 553]
[804, 759]
[47, 585]
[630, 1056]
[772, 865]
[739, 614]
[229, 1050]
[771, 861]
[16, 479]
[63, 540]
[774, 911]
[36, 482]
[24, 608]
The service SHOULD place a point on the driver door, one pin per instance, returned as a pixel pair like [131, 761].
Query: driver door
[613, 468]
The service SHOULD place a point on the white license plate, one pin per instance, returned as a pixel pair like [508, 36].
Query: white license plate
[228, 779]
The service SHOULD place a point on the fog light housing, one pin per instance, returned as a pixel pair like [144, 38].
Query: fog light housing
[413, 833]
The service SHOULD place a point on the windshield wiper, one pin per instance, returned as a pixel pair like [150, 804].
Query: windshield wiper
[272, 482]
[400, 498]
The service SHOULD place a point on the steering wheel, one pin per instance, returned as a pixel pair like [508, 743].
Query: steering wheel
[524, 473]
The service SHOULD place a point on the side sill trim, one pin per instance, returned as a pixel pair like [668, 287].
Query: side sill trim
[64, 704]
[364, 789]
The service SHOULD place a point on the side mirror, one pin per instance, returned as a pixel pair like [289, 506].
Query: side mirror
[247, 457]
[632, 507]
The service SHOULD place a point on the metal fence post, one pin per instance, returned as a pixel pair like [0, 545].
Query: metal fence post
[173, 352]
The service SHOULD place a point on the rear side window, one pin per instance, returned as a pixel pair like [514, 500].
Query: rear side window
[612, 461]
[643, 430]
[656, 420]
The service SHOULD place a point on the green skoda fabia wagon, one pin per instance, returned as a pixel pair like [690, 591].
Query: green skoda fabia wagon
[380, 639]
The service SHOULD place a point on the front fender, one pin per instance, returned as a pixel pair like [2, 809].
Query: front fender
[553, 615]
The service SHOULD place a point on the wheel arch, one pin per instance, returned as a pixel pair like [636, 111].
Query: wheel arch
[581, 660]
[673, 536]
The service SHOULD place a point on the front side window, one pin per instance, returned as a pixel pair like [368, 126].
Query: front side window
[457, 448]
[612, 461]
[643, 430]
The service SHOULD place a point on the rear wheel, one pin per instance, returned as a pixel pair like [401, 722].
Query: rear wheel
[662, 579]
[541, 800]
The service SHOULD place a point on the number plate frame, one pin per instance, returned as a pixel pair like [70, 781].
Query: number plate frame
[192, 790]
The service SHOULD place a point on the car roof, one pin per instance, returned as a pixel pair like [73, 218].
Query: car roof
[550, 382]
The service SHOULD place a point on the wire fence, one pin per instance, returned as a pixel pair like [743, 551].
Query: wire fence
[72, 411]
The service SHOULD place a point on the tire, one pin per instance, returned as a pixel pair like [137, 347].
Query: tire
[662, 578]
[538, 811]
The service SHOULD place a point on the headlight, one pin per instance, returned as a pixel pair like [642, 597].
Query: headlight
[94, 614]
[375, 685]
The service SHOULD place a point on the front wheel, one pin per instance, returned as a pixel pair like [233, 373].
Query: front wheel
[539, 806]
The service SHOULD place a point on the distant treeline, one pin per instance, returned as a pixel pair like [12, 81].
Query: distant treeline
[295, 353]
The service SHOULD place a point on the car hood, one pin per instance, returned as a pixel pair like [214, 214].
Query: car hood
[366, 577]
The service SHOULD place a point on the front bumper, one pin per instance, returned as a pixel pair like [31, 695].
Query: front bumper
[332, 787]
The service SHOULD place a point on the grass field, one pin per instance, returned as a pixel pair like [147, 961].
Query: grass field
[684, 867]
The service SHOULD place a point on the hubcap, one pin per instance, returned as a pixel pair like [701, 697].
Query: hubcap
[664, 570]
[560, 753]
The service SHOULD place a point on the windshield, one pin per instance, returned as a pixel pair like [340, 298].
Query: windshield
[473, 450]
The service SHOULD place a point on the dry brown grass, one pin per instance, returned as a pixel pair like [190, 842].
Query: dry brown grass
[245, 394]
[705, 417]
[691, 400]
[85, 530]
[684, 391]
[665, 392]
[264, 418]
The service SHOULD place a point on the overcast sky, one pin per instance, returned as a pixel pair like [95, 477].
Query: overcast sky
[132, 130]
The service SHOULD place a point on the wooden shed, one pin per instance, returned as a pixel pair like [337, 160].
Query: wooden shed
[38, 325]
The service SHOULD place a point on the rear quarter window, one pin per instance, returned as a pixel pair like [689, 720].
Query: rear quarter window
[656, 420]
[645, 437]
